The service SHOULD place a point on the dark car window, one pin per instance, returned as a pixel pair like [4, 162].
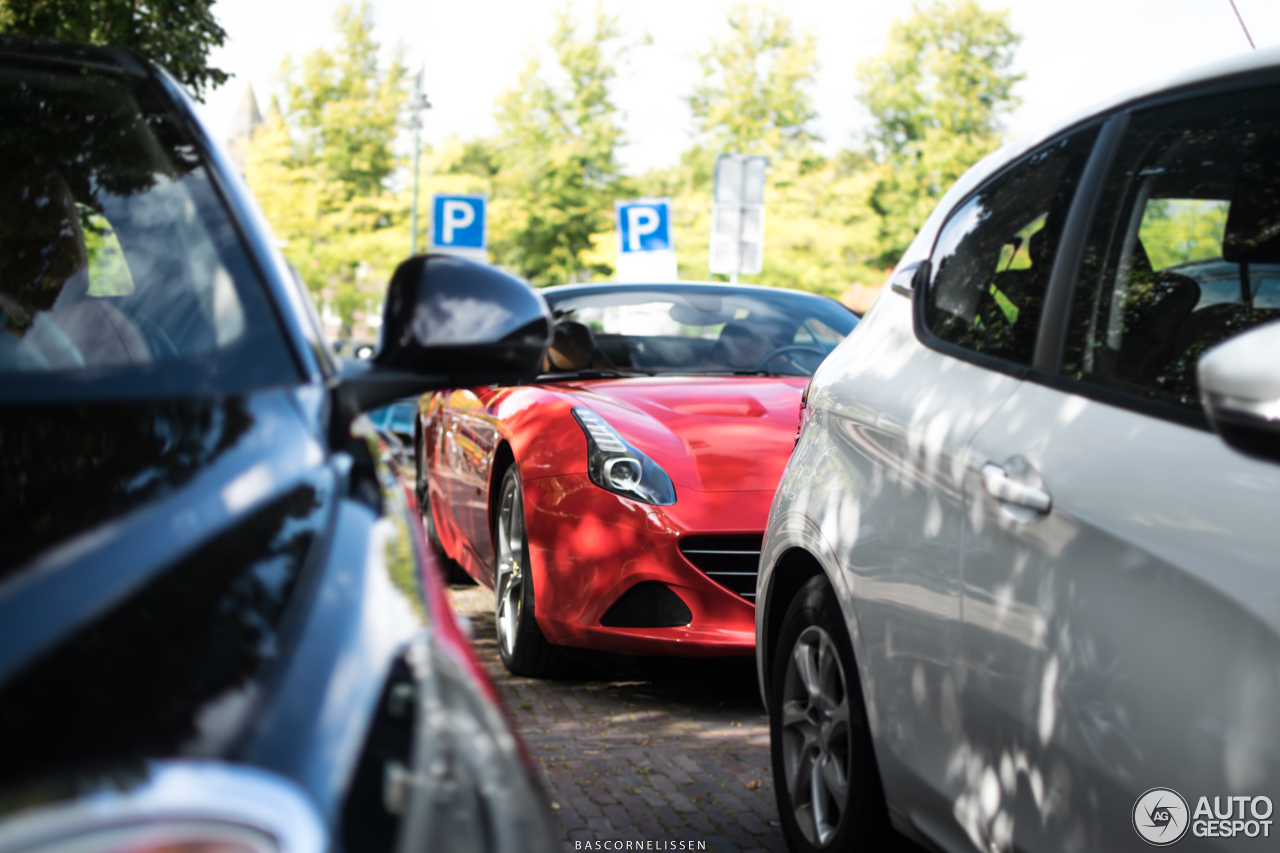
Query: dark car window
[992, 260]
[691, 328]
[120, 271]
[1186, 250]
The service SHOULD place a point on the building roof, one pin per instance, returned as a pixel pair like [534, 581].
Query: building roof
[247, 116]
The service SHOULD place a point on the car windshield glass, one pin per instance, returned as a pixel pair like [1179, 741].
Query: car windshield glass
[120, 271]
[693, 329]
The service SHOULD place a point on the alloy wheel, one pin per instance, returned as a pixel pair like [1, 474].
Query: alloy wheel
[816, 743]
[509, 586]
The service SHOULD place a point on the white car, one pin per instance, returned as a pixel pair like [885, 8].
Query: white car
[1020, 586]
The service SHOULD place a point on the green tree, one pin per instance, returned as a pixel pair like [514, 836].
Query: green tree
[753, 96]
[555, 154]
[322, 167]
[1182, 230]
[937, 96]
[347, 109]
[177, 34]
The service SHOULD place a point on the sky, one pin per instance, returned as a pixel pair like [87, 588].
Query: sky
[1074, 53]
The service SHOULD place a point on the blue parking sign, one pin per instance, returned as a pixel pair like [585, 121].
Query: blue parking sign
[646, 250]
[458, 222]
[644, 225]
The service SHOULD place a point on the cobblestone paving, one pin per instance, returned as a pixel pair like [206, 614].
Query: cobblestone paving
[655, 749]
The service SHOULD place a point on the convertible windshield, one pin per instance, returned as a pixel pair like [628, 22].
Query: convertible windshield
[120, 271]
[692, 328]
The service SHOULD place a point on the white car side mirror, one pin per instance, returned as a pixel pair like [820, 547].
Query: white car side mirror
[1240, 390]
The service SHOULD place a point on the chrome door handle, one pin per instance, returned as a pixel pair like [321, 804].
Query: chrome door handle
[1001, 487]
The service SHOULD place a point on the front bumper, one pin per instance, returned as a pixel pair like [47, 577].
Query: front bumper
[587, 547]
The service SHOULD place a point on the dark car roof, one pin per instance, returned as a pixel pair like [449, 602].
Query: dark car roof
[67, 53]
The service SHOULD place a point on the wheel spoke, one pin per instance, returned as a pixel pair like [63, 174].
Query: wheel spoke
[796, 715]
[839, 717]
[833, 777]
[806, 668]
[819, 797]
[828, 667]
[800, 778]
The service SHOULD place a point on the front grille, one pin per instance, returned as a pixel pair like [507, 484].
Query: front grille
[731, 561]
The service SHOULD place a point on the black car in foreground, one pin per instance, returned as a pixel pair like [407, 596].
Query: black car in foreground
[220, 629]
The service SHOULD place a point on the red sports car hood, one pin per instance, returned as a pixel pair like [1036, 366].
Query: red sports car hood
[713, 434]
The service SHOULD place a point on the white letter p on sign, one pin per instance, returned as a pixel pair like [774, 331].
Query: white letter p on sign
[640, 221]
[457, 214]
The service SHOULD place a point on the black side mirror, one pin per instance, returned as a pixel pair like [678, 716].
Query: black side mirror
[448, 323]
[473, 321]
[1240, 389]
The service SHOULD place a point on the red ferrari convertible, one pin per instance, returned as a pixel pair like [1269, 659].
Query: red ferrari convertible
[618, 503]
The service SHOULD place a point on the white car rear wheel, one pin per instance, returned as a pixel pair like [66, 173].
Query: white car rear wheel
[825, 774]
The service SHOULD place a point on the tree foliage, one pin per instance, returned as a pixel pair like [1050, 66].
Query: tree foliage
[322, 167]
[753, 96]
[177, 34]
[555, 157]
[937, 96]
[324, 164]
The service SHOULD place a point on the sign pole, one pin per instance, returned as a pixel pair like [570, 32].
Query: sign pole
[417, 103]
[413, 207]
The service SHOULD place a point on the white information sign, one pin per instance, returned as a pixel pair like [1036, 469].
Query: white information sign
[737, 215]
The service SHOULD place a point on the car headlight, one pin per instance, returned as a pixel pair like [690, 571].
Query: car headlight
[617, 466]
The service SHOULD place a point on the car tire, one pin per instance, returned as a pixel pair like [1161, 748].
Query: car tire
[524, 650]
[824, 767]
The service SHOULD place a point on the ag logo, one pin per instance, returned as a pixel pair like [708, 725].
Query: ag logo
[1160, 816]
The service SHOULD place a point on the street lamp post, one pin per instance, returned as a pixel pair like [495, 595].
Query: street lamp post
[417, 104]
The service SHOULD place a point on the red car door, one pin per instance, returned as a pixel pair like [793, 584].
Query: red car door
[470, 438]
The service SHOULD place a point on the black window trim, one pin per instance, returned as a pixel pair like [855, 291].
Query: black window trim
[1055, 316]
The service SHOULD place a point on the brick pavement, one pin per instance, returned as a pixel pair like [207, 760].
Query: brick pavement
[651, 749]
[648, 749]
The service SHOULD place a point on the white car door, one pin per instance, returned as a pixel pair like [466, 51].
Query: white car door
[899, 417]
[977, 316]
[1122, 596]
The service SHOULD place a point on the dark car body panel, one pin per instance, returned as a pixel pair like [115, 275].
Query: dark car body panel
[228, 577]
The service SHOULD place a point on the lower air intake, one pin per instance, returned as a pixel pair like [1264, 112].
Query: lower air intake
[648, 604]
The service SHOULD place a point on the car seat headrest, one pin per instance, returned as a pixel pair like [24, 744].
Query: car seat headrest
[739, 346]
[572, 346]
